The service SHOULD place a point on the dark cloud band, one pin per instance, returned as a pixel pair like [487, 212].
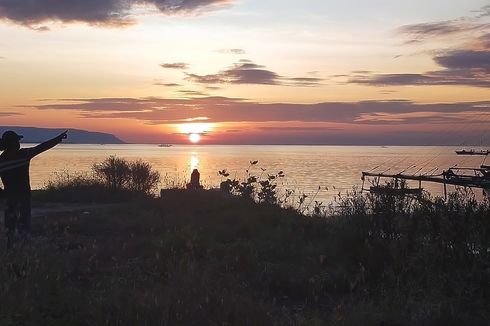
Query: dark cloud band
[98, 12]
[9, 114]
[224, 109]
[247, 72]
[175, 65]
[465, 59]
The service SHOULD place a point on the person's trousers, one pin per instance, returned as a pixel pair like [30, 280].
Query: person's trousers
[18, 213]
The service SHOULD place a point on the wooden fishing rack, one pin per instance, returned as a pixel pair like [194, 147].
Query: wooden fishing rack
[464, 177]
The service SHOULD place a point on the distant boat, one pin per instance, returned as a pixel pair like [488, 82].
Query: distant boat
[165, 145]
[471, 151]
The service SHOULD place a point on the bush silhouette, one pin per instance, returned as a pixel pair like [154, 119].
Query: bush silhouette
[115, 172]
[142, 178]
[113, 179]
[119, 174]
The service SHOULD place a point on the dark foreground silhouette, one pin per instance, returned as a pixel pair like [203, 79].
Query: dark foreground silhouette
[14, 173]
[199, 258]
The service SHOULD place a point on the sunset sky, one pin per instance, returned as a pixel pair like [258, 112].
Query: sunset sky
[250, 71]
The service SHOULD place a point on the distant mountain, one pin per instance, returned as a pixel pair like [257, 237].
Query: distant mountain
[75, 136]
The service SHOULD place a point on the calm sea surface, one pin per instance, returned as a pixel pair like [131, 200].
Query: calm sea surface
[337, 168]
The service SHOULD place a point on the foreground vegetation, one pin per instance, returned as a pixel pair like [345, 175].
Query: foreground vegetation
[112, 180]
[214, 258]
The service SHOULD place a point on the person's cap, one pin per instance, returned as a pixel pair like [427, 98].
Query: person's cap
[10, 135]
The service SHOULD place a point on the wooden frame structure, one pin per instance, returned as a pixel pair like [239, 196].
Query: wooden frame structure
[464, 177]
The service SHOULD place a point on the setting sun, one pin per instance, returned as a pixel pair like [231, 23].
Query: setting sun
[194, 138]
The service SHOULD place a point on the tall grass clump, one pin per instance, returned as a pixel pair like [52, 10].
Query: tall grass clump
[430, 254]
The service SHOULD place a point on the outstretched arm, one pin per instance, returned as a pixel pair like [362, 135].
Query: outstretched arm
[47, 144]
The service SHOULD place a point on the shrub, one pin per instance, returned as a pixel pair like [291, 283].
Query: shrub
[114, 179]
[119, 174]
[114, 171]
[259, 188]
[142, 178]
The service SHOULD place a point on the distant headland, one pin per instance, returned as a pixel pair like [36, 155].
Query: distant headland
[76, 136]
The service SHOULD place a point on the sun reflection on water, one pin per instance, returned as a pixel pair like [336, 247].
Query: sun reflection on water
[194, 161]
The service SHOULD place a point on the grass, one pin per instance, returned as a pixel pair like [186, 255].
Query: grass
[201, 258]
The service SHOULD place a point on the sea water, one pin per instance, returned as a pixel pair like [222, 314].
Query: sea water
[320, 172]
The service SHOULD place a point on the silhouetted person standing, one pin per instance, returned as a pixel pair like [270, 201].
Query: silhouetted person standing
[14, 172]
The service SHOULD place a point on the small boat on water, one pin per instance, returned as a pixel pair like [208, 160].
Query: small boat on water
[472, 151]
[165, 145]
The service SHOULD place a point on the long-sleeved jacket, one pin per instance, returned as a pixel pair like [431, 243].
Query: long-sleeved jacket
[14, 167]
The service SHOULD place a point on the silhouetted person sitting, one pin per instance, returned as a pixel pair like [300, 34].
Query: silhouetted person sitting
[14, 172]
[449, 174]
[195, 183]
